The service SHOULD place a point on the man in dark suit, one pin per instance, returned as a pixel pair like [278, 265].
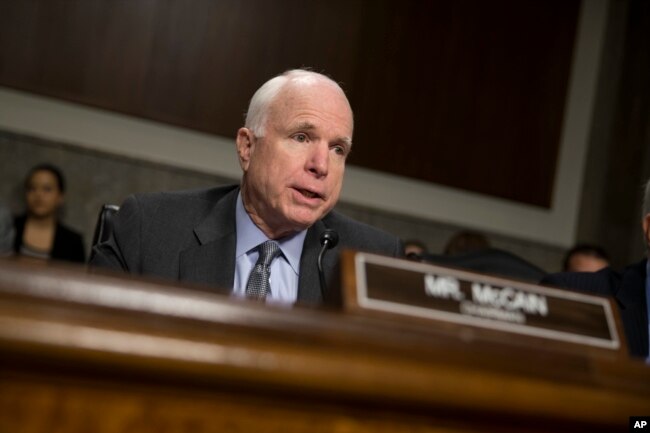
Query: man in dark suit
[630, 288]
[260, 239]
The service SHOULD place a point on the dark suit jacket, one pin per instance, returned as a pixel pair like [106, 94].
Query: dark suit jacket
[627, 287]
[68, 244]
[190, 236]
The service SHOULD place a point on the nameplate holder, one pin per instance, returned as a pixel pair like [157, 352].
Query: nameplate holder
[379, 285]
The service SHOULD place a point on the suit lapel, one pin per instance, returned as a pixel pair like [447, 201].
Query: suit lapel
[634, 314]
[308, 282]
[212, 261]
[309, 289]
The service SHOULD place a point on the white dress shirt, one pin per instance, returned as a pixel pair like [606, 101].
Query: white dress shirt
[285, 269]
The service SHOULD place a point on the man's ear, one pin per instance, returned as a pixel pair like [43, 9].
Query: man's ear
[646, 229]
[245, 140]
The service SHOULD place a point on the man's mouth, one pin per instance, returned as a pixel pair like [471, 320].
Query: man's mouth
[308, 194]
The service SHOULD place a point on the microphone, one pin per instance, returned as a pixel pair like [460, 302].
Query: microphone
[328, 239]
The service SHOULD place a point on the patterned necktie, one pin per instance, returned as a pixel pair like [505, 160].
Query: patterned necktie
[258, 281]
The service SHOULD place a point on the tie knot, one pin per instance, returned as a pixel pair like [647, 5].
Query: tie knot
[268, 251]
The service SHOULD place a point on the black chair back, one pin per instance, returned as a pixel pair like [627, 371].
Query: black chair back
[104, 226]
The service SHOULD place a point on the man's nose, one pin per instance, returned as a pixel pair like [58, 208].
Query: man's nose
[318, 160]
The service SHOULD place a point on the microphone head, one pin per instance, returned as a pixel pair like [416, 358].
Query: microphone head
[330, 238]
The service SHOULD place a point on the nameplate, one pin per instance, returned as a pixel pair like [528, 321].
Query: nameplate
[427, 291]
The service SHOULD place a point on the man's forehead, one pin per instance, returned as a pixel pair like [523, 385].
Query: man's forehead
[306, 105]
[314, 91]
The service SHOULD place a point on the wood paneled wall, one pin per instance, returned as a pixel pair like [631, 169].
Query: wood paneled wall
[467, 93]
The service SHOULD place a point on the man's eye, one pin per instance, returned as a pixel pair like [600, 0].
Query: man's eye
[340, 150]
[301, 138]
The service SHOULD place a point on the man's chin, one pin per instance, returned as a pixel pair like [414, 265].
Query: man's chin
[303, 222]
[301, 225]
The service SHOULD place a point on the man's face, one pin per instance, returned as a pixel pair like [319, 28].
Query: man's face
[579, 262]
[293, 175]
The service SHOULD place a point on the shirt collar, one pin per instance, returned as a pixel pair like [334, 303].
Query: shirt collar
[250, 236]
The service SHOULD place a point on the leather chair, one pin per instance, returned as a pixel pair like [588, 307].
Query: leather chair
[490, 261]
[104, 226]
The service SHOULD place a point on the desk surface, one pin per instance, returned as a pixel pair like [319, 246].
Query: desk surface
[85, 352]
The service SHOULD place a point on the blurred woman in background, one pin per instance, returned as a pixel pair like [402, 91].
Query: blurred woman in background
[39, 234]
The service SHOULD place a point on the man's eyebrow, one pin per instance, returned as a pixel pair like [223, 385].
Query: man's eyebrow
[307, 126]
[346, 140]
[302, 126]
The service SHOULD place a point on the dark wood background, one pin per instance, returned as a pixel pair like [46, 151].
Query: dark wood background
[464, 93]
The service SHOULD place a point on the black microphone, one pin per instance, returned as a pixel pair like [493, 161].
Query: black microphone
[328, 239]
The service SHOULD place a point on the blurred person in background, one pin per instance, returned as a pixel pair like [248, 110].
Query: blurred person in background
[39, 233]
[585, 258]
[415, 249]
[629, 287]
[466, 242]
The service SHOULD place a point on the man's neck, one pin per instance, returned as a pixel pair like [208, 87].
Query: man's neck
[270, 231]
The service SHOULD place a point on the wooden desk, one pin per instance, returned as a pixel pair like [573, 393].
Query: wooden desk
[90, 353]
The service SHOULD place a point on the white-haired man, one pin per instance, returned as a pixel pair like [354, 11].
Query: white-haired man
[260, 239]
[630, 288]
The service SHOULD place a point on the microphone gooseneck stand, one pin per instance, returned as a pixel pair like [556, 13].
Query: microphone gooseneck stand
[328, 239]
